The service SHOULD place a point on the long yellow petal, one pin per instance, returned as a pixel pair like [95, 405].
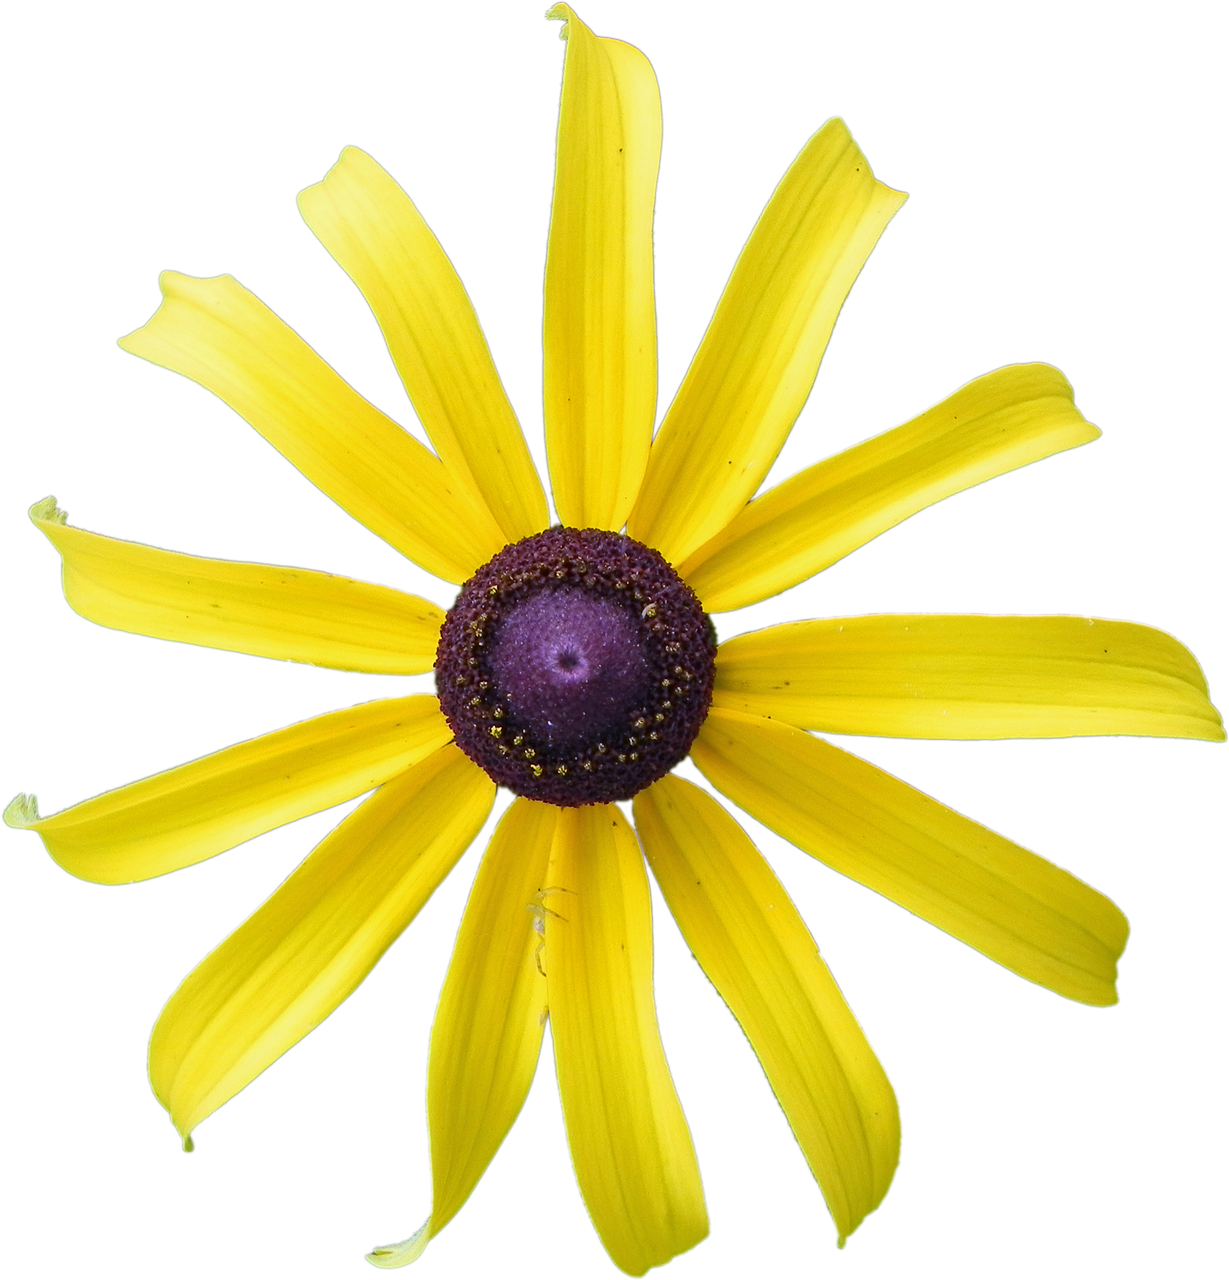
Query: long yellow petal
[301, 954]
[937, 676]
[996, 423]
[599, 334]
[488, 1027]
[751, 942]
[190, 813]
[1026, 913]
[371, 227]
[629, 1140]
[268, 610]
[218, 334]
[755, 366]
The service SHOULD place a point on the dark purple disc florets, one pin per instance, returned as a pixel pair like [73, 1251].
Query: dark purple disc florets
[576, 667]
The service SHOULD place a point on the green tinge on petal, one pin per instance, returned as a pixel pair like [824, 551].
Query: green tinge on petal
[390, 1256]
[1020, 910]
[630, 1145]
[268, 610]
[599, 332]
[488, 1027]
[199, 809]
[939, 676]
[994, 424]
[371, 227]
[755, 366]
[301, 954]
[219, 334]
[749, 939]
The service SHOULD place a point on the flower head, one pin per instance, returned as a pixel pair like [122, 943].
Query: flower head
[563, 638]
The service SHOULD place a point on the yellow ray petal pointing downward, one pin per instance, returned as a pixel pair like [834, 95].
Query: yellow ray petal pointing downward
[751, 942]
[1026, 913]
[599, 335]
[297, 958]
[630, 1145]
[488, 1027]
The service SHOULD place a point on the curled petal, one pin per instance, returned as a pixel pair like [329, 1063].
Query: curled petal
[488, 1027]
[1020, 910]
[599, 333]
[938, 676]
[751, 942]
[630, 1145]
[365, 220]
[300, 955]
[268, 610]
[199, 809]
[998, 422]
[219, 334]
[757, 361]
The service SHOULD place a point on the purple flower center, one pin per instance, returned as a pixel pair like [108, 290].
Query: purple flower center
[576, 667]
[568, 663]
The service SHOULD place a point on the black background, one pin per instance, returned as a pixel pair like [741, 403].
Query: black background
[1055, 213]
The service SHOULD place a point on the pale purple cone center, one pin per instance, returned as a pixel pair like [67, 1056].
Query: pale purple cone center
[569, 664]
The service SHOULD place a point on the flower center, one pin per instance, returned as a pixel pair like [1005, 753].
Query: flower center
[576, 667]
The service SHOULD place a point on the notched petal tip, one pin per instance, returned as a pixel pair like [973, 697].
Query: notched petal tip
[22, 812]
[560, 13]
[388, 1256]
[304, 198]
[884, 188]
[205, 292]
[46, 509]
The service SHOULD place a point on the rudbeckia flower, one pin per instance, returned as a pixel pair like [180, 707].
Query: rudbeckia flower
[579, 664]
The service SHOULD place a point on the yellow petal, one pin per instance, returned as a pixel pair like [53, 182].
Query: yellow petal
[301, 954]
[755, 366]
[751, 942]
[992, 425]
[218, 334]
[488, 1027]
[371, 227]
[1026, 913]
[629, 1140]
[599, 332]
[263, 609]
[190, 813]
[936, 676]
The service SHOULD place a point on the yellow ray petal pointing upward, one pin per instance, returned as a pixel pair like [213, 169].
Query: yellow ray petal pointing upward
[365, 220]
[599, 335]
[755, 366]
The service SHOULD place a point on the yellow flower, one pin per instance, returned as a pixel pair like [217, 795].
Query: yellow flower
[558, 919]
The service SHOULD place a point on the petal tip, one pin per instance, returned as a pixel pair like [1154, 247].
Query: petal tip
[306, 196]
[132, 342]
[560, 13]
[46, 509]
[188, 1145]
[388, 1256]
[22, 812]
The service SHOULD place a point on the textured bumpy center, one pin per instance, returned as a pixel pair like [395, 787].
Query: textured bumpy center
[576, 667]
